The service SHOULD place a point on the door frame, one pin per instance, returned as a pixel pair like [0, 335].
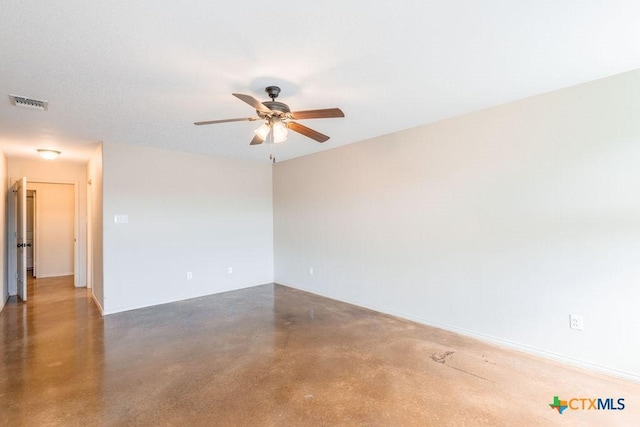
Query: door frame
[34, 230]
[89, 234]
[12, 237]
[12, 262]
[12, 256]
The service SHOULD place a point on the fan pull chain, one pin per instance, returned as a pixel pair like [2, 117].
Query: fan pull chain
[270, 142]
[271, 156]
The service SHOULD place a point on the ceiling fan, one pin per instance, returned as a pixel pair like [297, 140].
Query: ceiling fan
[278, 118]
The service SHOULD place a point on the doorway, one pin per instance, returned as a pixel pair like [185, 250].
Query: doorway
[51, 212]
[31, 195]
[53, 232]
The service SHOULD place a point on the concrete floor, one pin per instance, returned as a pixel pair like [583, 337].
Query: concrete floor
[271, 356]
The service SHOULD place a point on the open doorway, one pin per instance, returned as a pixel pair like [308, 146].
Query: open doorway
[51, 229]
[31, 195]
[48, 242]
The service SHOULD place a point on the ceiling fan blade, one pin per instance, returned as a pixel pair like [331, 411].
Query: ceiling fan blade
[326, 113]
[212, 122]
[256, 140]
[253, 102]
[308, 132]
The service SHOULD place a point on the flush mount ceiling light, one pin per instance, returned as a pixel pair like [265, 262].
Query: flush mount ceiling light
[48, 154]
[32, 104]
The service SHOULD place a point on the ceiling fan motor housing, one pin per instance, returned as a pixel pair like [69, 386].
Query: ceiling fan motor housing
[279, 109]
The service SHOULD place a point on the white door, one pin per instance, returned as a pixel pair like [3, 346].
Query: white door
[21, 236]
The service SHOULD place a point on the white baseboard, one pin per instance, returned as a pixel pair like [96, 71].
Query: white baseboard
[45, 276]
[95, 300]
[3, 302]
[488, 338]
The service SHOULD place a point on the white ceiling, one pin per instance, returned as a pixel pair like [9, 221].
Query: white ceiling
[141, 72]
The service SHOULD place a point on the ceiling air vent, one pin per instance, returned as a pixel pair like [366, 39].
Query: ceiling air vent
[23, 101]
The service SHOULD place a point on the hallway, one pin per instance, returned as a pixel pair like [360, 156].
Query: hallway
[270, 355]
[51, 354]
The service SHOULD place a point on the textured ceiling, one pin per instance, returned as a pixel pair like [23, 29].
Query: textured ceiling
[141, 72]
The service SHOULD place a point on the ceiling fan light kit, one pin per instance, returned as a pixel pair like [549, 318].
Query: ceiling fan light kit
[279, 119]
[262, 131]
[280, 131]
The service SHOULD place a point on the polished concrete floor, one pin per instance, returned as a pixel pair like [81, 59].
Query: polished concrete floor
[271, 356]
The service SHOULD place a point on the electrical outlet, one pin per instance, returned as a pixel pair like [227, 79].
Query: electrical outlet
[230, 270]
[310, 271]
[576, 322]
[189, 275]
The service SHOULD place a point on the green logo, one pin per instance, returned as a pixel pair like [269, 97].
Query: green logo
[558, 404]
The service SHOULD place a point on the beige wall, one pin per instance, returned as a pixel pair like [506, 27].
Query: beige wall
[54, 229]
[186, 213]
[57, 171]
[497, 224]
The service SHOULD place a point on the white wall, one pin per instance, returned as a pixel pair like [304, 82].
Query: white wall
[94, 205]
[54, 220]
[497, 224]
[186, 213]
[4, 193]
[62, 172]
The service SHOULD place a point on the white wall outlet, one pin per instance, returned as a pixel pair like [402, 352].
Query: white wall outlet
[230, 270]
[310, 271]
[189, 275]
[576, 322]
